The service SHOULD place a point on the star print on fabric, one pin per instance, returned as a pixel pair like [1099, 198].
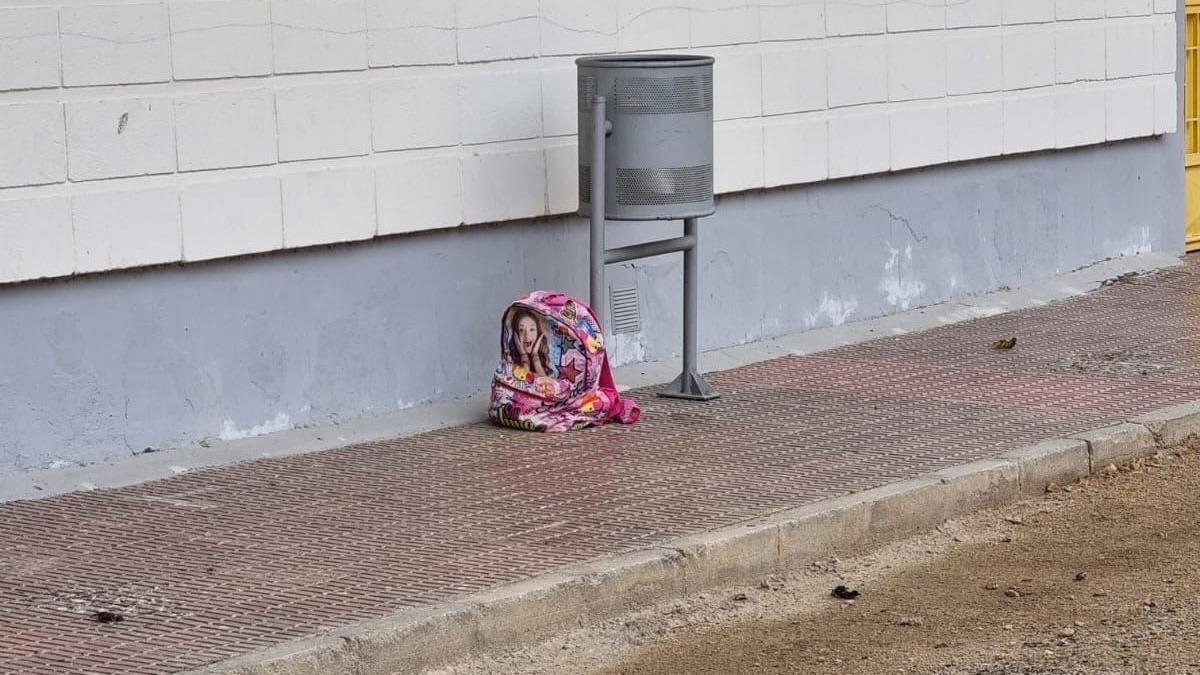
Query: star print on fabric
[567, 371]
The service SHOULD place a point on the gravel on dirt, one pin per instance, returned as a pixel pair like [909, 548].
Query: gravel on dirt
[1096, 578]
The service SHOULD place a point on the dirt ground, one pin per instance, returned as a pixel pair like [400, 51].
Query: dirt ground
[1097, 578]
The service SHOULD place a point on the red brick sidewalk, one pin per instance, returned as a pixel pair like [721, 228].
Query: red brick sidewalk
[215, 563]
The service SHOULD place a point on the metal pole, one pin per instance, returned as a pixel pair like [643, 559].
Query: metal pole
[599, 135]
[690, 294]
[690, 384]
[647, 250]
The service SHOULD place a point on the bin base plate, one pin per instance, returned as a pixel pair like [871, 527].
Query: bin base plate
[690, 386]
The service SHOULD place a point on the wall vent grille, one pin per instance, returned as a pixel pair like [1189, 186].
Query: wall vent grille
[626, 316]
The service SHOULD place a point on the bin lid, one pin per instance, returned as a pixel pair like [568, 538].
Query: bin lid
[644, 61]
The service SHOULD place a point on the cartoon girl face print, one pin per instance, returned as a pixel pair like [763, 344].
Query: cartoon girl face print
[529, 345]
[527, 334]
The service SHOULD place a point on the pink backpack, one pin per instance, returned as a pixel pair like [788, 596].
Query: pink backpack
[554, 373]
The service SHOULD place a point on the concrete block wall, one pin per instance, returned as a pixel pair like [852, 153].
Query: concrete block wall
[136, 133]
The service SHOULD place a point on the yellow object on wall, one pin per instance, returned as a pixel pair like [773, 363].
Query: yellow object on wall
[1191, 124]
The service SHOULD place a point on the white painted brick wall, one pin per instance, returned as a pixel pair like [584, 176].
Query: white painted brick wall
[438, 112]
[120, 137]
[737, 83]
[916, 15]
[415, 112]
[794, 80]
[1166, 106]
[1128, 7]
[792, 20]
[1028, 11]
[1079, 115]
[859, 144]
[1130, 48]
[653, 24]
[919, 136]
[231, 129]
[578, 27]
[410, 33]
[1130, 110]
[861, 17]
[501, 105]
[127, 228]
[1165, 44]
[1029, 122]
[231, 218]
[419, 193]
[975, 61]
[738, 150]
[29, 48]
[494, 30]
[1079, 51]
[229, 38]
[975, 129]
[503, 185]
[322, 207]
[562, 178]
[1066, 10]
[115, 44]
[968, 13]
[323, 121]
[916, 66]
[560, 93]
[1028, 56]
[722, 22]
[795, 150]
[38, 239]
[319, 35]
[858, 73]
[34, 133]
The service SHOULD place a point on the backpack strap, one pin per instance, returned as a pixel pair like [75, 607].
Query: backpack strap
[623, 410]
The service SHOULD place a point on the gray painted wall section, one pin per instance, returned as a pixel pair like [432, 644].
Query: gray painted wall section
[107, 365]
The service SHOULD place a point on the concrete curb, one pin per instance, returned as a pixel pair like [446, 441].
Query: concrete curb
[538, 608]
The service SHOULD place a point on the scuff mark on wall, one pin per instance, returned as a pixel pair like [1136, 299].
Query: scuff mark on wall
[1141, 244]
[627, 348]
[60, 464]
[897, 290]
[230, 432]
[835, 310]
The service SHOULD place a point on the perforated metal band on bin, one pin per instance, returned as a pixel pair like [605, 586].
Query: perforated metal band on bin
[663, 95]
[653, 95]
[656, 187]
[587, 93]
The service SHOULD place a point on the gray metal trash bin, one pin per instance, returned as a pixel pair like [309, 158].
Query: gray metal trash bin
[646, 120]
[659, 156]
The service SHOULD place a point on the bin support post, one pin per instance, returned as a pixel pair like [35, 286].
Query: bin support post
[690, 384]
[599, 135]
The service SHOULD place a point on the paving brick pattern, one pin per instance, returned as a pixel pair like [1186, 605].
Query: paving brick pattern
[215, 563]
